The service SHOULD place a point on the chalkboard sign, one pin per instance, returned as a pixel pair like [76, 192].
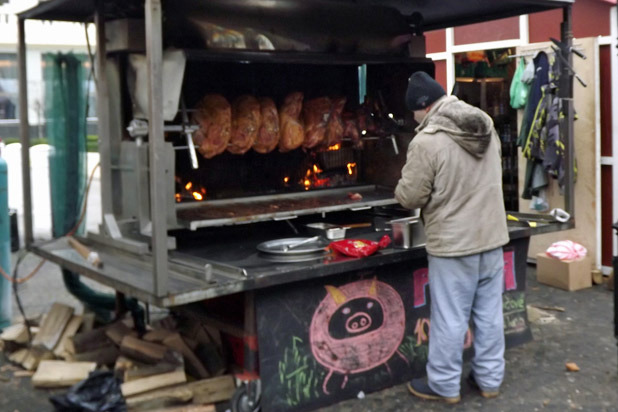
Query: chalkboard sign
[327, 339]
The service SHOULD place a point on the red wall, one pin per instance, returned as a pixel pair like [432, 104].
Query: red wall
[435, 41]
[503, 29]
[590, 19]
[606, 150]
[441, 73]
[606, 216]
[606, 100]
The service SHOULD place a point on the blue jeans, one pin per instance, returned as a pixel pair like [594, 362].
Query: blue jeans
[464, 288]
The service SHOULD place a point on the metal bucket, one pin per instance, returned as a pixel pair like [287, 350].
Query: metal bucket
[408, 232]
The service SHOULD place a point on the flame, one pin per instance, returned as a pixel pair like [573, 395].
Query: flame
[311, 178]
[286, 179]
[334, 147]
[351, 167]
[190, 191]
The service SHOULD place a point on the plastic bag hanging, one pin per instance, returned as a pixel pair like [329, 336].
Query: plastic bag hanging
[519, 90]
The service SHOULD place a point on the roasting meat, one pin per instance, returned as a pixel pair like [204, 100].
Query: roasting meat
[214, 116]
[316, 113]
[350, 128]
[335, 126]
[268, 135]
[292, 132]
[246, 119]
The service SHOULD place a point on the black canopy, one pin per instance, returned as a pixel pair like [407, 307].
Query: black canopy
[436, 13]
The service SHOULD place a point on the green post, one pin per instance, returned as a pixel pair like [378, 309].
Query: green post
[5, 247]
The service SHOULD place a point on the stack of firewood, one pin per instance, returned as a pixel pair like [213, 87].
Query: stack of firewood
[173, 363]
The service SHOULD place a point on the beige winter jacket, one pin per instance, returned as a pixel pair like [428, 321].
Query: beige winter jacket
[453, 172]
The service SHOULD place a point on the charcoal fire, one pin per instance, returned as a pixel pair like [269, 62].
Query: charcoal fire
[189, 192]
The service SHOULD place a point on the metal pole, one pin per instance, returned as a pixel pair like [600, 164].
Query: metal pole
[566, 95]
[24, 133]
[103, 113]
[158, 172]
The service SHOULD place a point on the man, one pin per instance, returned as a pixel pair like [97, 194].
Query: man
[453, 173]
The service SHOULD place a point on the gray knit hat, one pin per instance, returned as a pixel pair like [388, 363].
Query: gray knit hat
[422, 91]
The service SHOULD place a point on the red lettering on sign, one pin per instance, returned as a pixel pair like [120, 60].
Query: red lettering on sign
[510, 283]
[421, 279]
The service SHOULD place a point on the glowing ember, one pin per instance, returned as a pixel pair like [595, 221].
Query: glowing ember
[334, 147]
[190, 191]
[312, 179]
[351, 167]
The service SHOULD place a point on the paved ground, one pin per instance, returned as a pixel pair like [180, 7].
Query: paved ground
[536, 379]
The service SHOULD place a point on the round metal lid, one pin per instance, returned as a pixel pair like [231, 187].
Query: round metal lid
[279, 246]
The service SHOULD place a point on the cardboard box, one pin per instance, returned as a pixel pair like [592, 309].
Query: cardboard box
[567, 275]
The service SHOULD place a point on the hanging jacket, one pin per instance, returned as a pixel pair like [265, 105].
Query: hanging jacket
[541, 78]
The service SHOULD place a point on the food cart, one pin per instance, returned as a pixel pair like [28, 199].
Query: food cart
[218, 236]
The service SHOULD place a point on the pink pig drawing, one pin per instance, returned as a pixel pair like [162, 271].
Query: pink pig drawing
[357, 327]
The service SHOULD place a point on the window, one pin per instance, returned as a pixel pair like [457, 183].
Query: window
[8, 86]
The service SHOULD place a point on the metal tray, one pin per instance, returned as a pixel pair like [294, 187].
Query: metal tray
[276, 246]
[209, 213]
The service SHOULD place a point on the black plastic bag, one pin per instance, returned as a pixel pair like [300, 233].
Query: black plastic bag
[100, 392]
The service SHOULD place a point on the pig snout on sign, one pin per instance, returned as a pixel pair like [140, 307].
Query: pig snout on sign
[357, 327]
[357, 316]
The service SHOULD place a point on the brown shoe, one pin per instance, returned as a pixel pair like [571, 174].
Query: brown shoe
[490, 393]
[420, 388]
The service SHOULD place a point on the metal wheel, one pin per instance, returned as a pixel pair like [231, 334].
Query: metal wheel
[246, 398]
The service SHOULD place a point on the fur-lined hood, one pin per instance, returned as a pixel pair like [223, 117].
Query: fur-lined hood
[467, 125]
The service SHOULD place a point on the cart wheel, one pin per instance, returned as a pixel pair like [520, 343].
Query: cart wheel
[242, 402]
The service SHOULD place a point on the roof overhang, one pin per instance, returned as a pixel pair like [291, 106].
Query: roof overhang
[436, 14]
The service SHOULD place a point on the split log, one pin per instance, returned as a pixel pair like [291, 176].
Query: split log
[88, 341]
[14, 337]
[55, 374]
[152, 382]
[193, 364]
[105, 355]
[117, 331]
[189, 408]
[53, 326]
[204, 391]
[69, 331]
[157, 335]
[29, 359]
[87, 322]
[211, 358]
[150, 370]
[17, 333]
[147, 352]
